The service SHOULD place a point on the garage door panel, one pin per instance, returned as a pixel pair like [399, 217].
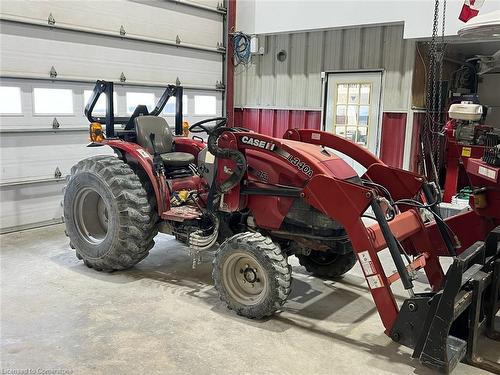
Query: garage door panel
[193, 26]
[36, 155]
[208, 3]
[74, 60]
[24, 205]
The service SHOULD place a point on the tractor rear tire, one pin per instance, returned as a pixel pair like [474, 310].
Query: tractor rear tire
[110, 220]
[326, 264]
[252, 275]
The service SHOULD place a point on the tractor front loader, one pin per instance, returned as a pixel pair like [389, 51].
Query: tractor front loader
[257, 200]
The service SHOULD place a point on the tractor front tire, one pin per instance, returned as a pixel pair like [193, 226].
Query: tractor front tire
[110, 220]
[327, 264]
[252, 275]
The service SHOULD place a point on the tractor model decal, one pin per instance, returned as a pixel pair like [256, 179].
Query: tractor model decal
[295, 161]
[261, 175]
[258, 143]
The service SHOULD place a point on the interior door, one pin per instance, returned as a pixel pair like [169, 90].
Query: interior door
[352, 109]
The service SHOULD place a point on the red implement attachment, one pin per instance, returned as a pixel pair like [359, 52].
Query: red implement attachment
[441, 326]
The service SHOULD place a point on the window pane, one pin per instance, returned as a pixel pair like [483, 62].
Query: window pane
[340, 131]
[342, 93]
[365, 93]
[353, 93]
[351, 133]
[364, 112]
[340, 116]
[53, 101]
[140, 98]
[100, 106]
[362, 136]
[170, 106]
[10, 100]
[352, 115]
[205, 105]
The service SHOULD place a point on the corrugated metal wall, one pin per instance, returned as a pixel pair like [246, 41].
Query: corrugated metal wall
[296, 82]
[276, 122]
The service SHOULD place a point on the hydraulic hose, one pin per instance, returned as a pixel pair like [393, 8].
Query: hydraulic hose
[226, 153]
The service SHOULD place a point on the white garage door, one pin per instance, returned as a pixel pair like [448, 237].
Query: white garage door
[53, 51]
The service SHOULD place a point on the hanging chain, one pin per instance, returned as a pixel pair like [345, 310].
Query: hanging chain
[432, 125]
[439, 109]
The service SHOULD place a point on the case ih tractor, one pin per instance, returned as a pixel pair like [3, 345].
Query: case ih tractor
[257, 200]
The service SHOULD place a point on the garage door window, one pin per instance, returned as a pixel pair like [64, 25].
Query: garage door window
[205, 105]
[10, 100]
[53, 101]
[140, 98]
[100, 106]
[170, 106]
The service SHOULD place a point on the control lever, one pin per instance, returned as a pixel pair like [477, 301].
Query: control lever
[157, 160]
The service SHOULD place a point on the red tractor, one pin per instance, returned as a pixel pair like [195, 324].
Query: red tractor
[261, 199]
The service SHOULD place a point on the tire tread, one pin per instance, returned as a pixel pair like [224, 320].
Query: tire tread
[137, 213]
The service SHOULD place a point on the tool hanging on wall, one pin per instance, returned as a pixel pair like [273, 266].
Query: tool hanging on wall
[430, 138]
[242, 54]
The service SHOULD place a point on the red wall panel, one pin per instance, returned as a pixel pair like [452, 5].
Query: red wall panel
[282, 123]
[392, 143]
[313, 120]
[251, 119]
[266, 125]
[275, 122]
[418, 122]
[238, 117]
[297, 119]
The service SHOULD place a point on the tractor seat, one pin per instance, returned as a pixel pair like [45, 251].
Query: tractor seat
[164, 141]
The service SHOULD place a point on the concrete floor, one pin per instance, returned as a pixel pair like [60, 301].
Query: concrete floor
[164, 317]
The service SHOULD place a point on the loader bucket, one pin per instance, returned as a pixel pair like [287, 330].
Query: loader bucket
[443, 327]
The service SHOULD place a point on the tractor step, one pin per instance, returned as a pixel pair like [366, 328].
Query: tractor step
[443, 327]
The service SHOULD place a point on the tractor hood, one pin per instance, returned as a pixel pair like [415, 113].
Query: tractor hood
[324, 158]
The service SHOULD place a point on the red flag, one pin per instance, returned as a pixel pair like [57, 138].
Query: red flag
[470, 9]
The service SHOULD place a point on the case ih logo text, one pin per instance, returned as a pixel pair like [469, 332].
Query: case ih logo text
[258, 143]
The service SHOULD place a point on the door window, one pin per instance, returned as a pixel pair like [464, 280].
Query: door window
[352, 111]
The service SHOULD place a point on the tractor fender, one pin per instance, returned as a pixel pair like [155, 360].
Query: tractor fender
[145, 161]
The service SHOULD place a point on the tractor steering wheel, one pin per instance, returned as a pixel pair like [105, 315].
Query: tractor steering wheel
[199, 127]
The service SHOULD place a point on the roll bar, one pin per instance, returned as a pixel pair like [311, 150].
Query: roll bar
[110, 120]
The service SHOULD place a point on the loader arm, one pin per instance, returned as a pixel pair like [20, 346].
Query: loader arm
[441, 326]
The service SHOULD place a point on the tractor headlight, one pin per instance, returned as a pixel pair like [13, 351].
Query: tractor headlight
[96, 133]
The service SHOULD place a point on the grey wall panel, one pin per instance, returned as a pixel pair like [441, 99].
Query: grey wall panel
[297, 84]
[253, 80]
[333, 45]
[267, 74]
[298, 68]
[282, 72]
[372, 47]
[352, 49]
[315, 57]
